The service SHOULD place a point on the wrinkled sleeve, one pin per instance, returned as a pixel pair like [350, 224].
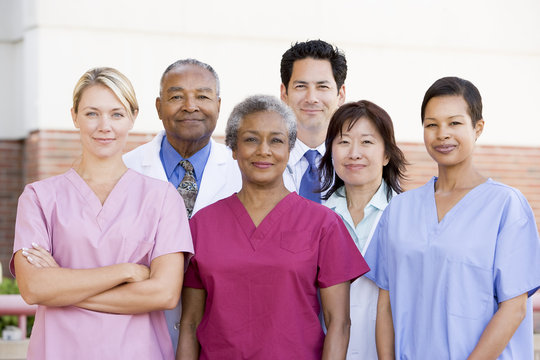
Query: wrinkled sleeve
[173, 234]
[376, 256]
[192, 278]
[339, 258]
[31, 225]
[516, 268]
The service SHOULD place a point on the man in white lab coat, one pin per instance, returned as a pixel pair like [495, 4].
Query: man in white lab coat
[184, 154]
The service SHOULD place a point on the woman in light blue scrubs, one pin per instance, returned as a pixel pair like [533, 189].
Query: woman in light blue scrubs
[362, 167]
[458, 258]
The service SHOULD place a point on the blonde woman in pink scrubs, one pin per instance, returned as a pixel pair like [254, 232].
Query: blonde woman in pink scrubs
[100, 247]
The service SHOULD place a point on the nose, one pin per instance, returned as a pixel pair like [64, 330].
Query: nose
[311, 95]
[264, 148]
[442, 133]
[104, 123]
[355, 151]
[190, 104]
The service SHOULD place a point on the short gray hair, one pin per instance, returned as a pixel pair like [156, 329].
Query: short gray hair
[193, 62]
[254, 104]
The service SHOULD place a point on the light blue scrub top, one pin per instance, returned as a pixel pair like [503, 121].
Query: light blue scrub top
[446, 279]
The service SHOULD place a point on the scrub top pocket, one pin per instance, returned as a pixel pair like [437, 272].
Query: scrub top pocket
[470, 290]
[296, 241]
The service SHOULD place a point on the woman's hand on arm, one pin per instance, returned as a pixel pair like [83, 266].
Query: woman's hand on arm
[335, 303]
[501, 328]
[41, 281]
[193, 303]
[159, 292]
[384, 329]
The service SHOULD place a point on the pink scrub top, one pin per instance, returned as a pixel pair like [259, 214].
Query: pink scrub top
[142, 218]
[261, 282]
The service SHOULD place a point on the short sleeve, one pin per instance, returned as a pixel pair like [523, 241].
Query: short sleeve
[339, 258]
[31, 225]
[517, 253]
[173, 234]
[376, 256]
[192, 277]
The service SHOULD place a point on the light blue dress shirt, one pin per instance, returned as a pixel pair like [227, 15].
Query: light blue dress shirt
[170, 159]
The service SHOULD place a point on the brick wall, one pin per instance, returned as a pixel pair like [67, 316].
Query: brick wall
[47, 153]
[11, 185]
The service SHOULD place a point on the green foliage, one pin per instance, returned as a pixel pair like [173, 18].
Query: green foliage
[9, 286]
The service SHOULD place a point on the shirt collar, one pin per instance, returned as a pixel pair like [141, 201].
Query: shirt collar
[338, 201]
[299, 149]
[171, 158]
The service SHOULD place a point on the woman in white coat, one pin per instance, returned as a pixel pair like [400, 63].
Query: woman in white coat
[362, 169]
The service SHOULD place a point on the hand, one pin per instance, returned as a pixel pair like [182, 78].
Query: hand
[38, 256]
[138, 272]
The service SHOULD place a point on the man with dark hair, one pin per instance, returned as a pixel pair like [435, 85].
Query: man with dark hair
[184, 154]
[312, 84]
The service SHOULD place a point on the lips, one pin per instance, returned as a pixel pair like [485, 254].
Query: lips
[262, 164]
[104, 140]
[355, 166]
[445, 149]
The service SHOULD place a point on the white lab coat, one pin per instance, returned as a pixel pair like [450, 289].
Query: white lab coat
[221, 178]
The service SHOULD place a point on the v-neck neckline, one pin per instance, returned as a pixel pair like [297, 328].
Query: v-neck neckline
[90, 196]
[257, 234]
[450, 214]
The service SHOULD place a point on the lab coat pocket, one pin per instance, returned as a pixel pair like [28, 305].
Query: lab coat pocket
[296, 241]
[469, 290]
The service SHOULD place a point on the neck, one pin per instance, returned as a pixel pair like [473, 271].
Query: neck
[187, 149]
[460, 176]
[101, 170]
[359, 196]
[312, 138]
[259, 196]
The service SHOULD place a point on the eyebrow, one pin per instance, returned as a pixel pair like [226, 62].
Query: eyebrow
[449, 117]
[179, 88]
[98, 109]
[273, 132]
[316, 82]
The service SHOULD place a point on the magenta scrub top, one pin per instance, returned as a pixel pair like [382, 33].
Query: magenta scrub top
[262, 282]
[142, 218]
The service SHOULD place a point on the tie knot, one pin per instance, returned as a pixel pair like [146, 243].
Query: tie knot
[311, 156]
[186, 165]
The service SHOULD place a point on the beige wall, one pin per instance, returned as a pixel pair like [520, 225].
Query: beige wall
[395, 49]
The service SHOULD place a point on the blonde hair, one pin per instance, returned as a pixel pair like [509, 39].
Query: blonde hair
[111, 78]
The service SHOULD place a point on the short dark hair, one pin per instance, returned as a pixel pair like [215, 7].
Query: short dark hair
[315, 49]
[451, 85]
[347, 115]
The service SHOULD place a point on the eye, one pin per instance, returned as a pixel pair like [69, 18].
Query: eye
[368, 142]
[324, 87]
[430, 125]
[455, 123]
[343, 141]
[299, 86]
[203, 97]
[277, 141]
[118, 115]
[91, 114]
[175, 97]
[250, 139]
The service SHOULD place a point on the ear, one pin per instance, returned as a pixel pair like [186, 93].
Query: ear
[234, 154]
[219, 104]
[283, 92]
[478, 129]
[158, 106]
[74, 118]
[341, 95]
[386, 159]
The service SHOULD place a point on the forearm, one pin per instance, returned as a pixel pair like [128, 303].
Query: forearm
[336, 340]
[62, 287]
[500, 328]
[159, 292]
[384, 329]
[188, 345]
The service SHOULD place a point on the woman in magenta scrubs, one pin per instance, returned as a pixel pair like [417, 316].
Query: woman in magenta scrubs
[99, 248]
[261, 255]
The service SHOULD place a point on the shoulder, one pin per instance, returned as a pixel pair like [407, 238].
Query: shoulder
[140, 150]
[315, 213]
[51, 184]
[218, 209]
[508, 198]
[221, 153]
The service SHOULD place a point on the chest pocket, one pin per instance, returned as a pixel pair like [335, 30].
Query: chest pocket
[297, 241]
[469, 290]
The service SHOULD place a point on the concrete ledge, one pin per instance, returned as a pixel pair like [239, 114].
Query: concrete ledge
[13, 350]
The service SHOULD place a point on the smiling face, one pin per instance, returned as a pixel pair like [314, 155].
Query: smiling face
[449, 135]
[188, 106]
[359, 154]
[262, 149]
[312, 94]
[103, 121]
